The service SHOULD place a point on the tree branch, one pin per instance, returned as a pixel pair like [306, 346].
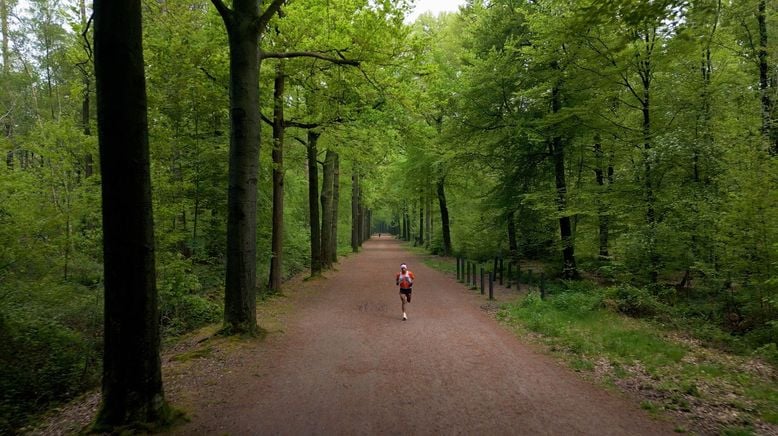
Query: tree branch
[291, 123]
[310, 54]
[210, 76]
[268, 14]
[224, 11]
[301, 125]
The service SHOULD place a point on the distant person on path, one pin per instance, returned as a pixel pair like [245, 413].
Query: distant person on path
[404, 279]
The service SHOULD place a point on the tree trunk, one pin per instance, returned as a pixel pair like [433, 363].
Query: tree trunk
[570, 270]
[241, 270]
[335, 207]
[277, 237]
[769, 130]
[85, 109]
[444, 224]
[4, 30]
[369, 224]
[4, 33]
[313, 203]
[326, 209]
[646, 74]
[601, 211]
[406, 225]
[360, 219]
[513, 246]
[421, 219]
[428, 217]
[354, 210]
[132, 384]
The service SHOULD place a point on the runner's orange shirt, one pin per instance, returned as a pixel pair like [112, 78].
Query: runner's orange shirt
[406, 280]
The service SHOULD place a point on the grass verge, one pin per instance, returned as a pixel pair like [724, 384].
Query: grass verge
[670, 373]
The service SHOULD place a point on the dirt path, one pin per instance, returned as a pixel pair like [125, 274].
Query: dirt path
[347, 364]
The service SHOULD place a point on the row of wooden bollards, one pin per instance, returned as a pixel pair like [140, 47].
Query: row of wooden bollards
[467, 271]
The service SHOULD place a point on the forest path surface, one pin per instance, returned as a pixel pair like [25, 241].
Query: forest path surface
[346, 363]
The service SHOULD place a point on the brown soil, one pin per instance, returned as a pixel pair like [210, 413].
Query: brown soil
[338, 359]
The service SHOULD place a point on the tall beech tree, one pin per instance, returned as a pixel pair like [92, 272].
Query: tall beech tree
[245, 27]
[277, 238]
[313, 200]
[85, 69]
[445, 225]
[355, 209]
[4, 34]
[766, 81]
[327, 205]
[335, 202]
[132, 383]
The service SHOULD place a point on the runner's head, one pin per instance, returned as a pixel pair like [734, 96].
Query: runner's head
[403, 267]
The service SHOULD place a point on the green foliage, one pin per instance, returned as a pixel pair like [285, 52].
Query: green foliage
[632, 301]
[183, 305]
[41, 362]
[768, 352]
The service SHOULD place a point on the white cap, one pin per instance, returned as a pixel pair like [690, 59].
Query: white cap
[402, 265]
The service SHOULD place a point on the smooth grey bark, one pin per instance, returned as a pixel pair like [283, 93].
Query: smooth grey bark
[360, 219]
[766, 82]
[445, 227]
[7, 125]
[335, 208]
[645, 70]
[326, 209]
[277, 237]
[603, 218]
[132, 383]
[428, 217]
[244, 27]
[513, 246]
[355, 210]
[4, 33]
[86, 79]
[313, 202]
[557, 150]
[421, 218]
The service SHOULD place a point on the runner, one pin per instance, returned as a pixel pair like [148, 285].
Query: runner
[405, 279]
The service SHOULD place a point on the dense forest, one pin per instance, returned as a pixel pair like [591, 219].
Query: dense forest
[628, 143]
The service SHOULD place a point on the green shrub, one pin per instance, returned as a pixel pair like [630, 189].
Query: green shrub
[41, 362]
[632, 301]
[768, 352]
[182, 305]
[191, 312]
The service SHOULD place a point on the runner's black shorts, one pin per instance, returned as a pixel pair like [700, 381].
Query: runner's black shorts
[407, 293]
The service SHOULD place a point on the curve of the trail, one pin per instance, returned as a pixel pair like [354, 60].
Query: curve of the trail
[346, 363]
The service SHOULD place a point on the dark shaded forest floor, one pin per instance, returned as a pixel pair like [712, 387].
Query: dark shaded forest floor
[338, 359]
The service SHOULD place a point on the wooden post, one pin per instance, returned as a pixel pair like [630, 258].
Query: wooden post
[491, 286]
[467, 274]
[542, 287]
[459, 269]
[510, 275]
